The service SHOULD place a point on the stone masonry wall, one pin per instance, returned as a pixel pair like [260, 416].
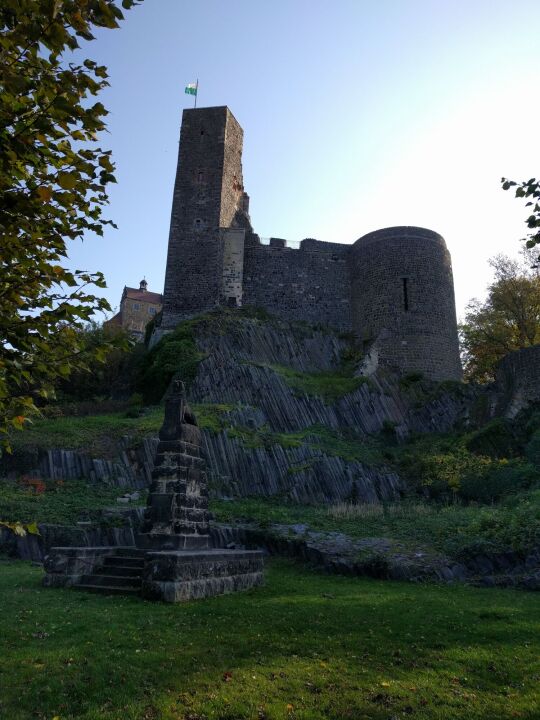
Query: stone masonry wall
[310, 284]
[403, 300]
[233, 266]
[518, 380]
[207, 191]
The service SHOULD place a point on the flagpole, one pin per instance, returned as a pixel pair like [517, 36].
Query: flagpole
[196, 91]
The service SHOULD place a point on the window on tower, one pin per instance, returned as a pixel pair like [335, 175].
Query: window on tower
[405, 294]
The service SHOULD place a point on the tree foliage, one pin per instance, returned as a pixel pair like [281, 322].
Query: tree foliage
[100, 381]
[509, 318]
[53, 186]
[530, 191]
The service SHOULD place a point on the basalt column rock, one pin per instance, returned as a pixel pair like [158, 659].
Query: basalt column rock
[177, 514]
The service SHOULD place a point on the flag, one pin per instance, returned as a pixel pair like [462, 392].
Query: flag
[191, 88]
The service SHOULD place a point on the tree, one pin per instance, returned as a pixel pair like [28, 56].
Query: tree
[530, 190]
[53, 186]
[114, 379]
[509, 318]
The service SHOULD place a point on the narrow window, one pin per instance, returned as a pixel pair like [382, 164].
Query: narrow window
[405, 294]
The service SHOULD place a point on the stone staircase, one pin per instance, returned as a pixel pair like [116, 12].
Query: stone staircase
[118, 573]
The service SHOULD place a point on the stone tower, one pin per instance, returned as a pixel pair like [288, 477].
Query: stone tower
[208, 200]
[402, 301]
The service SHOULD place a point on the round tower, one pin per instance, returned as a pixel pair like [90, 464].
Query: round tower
[403, 307]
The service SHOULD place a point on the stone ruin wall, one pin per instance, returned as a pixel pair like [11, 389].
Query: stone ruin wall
[518, 381]
[309, 284]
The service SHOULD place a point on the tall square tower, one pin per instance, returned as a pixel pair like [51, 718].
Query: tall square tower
[208, 192]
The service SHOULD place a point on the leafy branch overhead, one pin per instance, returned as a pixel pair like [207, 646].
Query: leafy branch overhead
[530, 191]
[53, 187]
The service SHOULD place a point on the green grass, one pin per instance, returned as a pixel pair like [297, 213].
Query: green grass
[304, 647]
[346, 445]
[94, 433]
[458, 530]
[434, 525]
[330, 385]
[100, 433]
[62, 502]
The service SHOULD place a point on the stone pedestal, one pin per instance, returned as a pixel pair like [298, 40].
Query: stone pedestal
[189, 575]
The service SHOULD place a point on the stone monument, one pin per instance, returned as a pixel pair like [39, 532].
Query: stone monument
[173, 559]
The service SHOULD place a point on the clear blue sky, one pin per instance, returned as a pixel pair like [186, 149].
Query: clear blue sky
[357, 115]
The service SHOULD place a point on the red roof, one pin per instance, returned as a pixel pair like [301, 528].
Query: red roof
[115, 320]
[143, 295]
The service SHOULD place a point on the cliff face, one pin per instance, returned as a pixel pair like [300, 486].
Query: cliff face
[247, 365]
[301, 424]
[285, 413]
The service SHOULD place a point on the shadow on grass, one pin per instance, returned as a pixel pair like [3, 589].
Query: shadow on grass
[306, 645]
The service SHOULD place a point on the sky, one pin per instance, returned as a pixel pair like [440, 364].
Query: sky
[357, 115]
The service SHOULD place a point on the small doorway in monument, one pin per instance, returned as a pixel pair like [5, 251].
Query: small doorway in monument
[231, 302]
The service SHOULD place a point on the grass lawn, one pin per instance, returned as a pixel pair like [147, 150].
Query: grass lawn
[451, 528]
[97, 434]
[62, 502]
[304, 646]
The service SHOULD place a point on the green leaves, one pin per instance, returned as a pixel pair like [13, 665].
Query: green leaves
[528, 189]
[507, 320]
[53, 188]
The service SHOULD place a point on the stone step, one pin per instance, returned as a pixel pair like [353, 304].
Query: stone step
[108, 589]
[119, 570]
[128, 552]
[123, 561]
[111, 580]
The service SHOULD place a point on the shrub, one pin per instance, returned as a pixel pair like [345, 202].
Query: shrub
[497, 439]
[532, 450]
[176, 354]
[501, 478]
[502, 528]
[410, 379]
[439, 472]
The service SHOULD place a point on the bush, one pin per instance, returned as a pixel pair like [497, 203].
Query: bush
[497, 439]
[111, 379]
[532, 450]
[410, 379]
[501, 478]
[501, 528]
[176, 355]
[438, 471]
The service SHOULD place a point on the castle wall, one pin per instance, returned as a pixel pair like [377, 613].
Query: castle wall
[518, 380]
[309, 284]
[402, 296]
